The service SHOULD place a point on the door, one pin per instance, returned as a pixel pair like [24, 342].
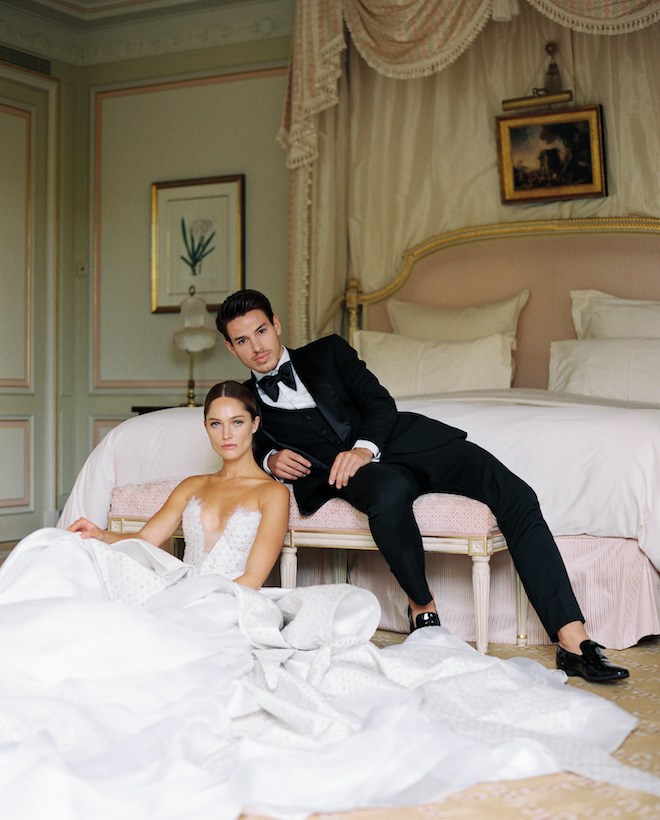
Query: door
[28, 143]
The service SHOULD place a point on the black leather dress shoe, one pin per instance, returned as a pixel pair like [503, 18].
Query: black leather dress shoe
[591, 665]
[423, 619]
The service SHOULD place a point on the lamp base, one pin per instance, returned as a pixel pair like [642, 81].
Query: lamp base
[191, 395]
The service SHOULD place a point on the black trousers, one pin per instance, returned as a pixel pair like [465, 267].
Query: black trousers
[385, 492]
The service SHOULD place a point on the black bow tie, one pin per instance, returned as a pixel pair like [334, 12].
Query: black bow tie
[270, 384]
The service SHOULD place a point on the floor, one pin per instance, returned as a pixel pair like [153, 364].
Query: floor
[562, 796]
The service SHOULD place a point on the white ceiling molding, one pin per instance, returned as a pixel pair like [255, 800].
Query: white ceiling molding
[89, 12]
[174, 28]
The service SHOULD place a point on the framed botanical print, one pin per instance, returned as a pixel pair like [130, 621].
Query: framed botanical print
[197, 240]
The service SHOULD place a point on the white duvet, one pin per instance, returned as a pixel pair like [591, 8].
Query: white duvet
[594, 464]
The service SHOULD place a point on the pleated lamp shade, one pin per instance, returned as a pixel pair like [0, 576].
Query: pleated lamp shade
[196, 334]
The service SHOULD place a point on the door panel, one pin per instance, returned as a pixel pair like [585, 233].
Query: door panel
[28, 106]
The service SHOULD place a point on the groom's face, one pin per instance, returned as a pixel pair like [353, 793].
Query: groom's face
[255, 340]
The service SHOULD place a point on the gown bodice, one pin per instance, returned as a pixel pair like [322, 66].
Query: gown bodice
[219, 553]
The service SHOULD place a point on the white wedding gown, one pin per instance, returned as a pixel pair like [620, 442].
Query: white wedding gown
[134, 685]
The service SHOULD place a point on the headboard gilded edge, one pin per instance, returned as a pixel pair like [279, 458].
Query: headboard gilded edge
[619, 255]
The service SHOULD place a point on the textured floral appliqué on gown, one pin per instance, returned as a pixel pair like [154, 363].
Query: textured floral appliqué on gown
[133, 571]
[224, 553]
[212, 699]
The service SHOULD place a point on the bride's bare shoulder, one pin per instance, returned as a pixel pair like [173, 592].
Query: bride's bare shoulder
[193, 485]
[194, 481]
[274, 491]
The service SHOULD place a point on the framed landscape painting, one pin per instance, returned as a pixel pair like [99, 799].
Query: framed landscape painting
[551, 155]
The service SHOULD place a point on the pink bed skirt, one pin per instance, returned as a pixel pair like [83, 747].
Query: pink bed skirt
[621, 605]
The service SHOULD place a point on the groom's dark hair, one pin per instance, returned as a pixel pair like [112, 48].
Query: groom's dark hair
[238, 304]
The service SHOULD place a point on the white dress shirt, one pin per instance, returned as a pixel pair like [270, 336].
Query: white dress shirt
[297, 399]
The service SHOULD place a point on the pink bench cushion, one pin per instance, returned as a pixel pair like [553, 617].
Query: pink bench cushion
[437, 514]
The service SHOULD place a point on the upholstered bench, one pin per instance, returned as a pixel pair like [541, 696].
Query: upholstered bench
[448, 523]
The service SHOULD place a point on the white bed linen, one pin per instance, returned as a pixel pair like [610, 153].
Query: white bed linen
[165, 444]
[214, 699]
[594, 464]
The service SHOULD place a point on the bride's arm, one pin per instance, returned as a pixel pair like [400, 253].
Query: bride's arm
[156, 531]
[89, 530]
[270, 536]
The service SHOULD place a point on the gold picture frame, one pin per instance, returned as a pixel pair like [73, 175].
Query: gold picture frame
[197, 239]
[551, 155]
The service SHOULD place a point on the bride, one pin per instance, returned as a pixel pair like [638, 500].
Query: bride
[133, 684]
[234, 521]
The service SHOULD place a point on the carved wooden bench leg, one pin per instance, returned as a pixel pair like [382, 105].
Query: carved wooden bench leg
[288, 566]
[481, 588]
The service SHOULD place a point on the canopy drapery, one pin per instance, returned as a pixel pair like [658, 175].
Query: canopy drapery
[412, 40]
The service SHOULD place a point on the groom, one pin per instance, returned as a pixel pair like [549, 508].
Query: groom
[330, 428]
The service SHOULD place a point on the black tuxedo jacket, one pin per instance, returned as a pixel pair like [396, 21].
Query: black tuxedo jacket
[356, 406]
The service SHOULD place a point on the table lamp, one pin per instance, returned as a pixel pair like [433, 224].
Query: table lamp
[195, 335]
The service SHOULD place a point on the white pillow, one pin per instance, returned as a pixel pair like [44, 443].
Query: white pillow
[598, 315]
[454, 324]
[412, 367]
[626, 369]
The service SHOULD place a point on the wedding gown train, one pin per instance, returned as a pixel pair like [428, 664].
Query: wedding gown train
[136, 685]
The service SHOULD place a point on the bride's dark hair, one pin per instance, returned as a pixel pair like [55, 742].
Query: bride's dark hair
[231, 389]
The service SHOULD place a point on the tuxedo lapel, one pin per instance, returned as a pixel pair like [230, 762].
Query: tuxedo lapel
[324, 394]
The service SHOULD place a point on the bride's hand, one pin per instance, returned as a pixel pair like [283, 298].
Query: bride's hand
[87, 529]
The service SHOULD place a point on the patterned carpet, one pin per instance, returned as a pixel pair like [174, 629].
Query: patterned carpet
[560, 796]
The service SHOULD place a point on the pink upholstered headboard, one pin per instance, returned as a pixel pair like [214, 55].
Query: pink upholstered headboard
[551, 258]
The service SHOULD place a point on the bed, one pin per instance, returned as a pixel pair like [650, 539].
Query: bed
[499, 323]
[542, 340]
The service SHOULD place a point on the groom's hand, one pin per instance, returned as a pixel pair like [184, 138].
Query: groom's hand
[347, 464]
[287, 465]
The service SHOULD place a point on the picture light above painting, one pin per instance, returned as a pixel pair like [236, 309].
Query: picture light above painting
[551, 155]
[197, 240]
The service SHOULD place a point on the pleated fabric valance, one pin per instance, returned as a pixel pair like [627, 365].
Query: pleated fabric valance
[406, 39]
